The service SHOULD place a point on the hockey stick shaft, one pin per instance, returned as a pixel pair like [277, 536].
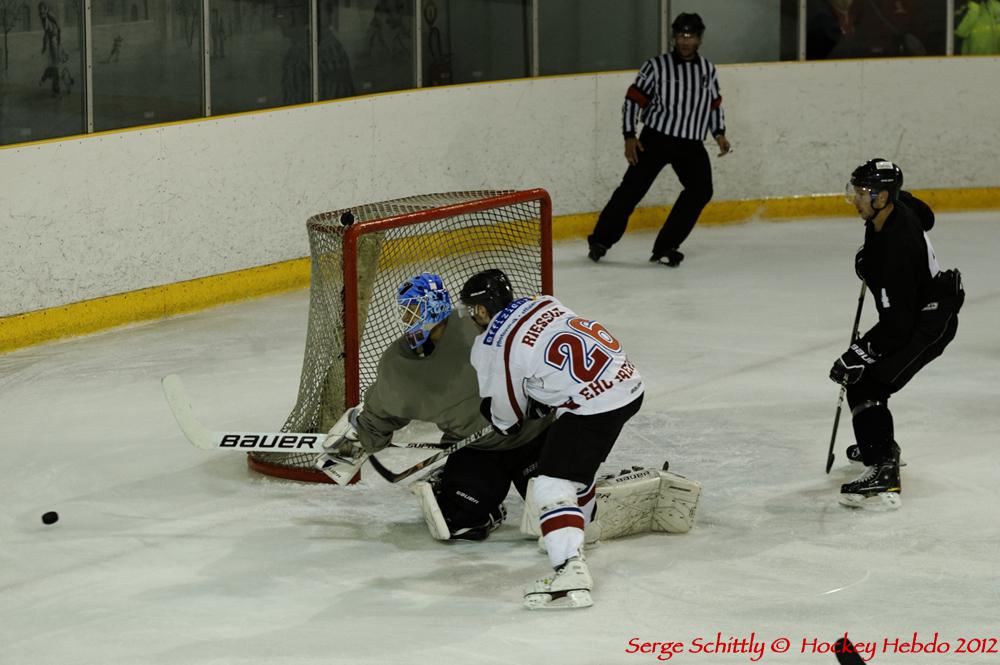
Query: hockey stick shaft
[202, 437]
[843, 388]
[206, 439]
[394, 477]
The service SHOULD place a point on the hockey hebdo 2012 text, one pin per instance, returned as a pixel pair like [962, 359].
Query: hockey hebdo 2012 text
[756, 646]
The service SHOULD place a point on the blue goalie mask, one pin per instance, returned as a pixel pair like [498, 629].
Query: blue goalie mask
[423, 303]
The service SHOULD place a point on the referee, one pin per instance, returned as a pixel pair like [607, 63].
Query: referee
[676, 95]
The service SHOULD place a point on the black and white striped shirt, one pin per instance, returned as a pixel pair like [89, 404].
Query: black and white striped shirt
[675, 97]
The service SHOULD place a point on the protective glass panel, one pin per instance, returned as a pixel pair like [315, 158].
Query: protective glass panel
[147, 62]
[875, 28]
[583, 36]
[745, 31]
[259, 54]
[41, 70]
[365, 46]
[475, 40]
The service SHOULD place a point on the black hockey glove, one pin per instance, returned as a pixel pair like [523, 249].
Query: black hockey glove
[847, 369]
[486, 408]
[537, 410]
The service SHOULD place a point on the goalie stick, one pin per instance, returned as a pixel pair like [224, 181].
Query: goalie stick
[843, 388]
[271, 442]
[394, 477]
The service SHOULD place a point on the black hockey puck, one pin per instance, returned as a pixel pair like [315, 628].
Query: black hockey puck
[347, 218]
[666, 465]
[50, 517]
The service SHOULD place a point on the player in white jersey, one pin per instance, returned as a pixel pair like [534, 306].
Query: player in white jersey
[536, 355]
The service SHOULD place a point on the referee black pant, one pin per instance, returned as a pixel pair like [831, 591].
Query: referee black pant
[689, 160]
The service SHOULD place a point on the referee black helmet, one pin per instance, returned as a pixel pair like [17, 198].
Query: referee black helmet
[690, 24]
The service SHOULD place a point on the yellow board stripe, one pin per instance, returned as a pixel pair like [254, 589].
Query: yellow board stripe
[157, 302]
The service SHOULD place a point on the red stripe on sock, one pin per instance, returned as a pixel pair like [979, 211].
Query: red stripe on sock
[571, 521]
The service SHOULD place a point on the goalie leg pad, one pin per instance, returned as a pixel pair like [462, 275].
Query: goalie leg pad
[436, 523]
[677, 503]
[645, 500]
[440, 527]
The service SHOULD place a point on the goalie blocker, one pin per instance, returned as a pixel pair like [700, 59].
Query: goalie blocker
[636, 501]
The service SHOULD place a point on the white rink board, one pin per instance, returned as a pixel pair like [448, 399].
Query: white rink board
[111, 213]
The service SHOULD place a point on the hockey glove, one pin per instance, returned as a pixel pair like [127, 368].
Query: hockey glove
[345, 429]
[486, 408]
[848, 368]
[342, 464]
[538, 410]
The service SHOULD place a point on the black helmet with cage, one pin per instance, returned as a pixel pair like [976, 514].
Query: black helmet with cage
[877, 175]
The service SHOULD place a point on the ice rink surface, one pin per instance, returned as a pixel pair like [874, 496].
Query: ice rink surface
[169, 555]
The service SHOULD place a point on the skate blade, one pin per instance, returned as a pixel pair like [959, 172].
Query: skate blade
[880, 501]
[566, 600]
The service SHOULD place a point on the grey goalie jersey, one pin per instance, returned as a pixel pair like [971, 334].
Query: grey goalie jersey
[440, 388]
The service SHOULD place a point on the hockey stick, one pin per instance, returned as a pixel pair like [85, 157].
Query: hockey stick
[271, 442]
[206, 439]
[846, 653]
[843, 388]
[394, 477]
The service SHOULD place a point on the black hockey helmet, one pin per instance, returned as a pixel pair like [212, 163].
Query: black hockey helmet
[688, 23]
[489, 288]
[878, 175]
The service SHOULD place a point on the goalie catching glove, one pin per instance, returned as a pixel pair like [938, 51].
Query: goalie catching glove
[848, 368]
[344, 456]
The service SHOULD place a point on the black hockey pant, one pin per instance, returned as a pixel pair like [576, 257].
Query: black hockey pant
[869, 397]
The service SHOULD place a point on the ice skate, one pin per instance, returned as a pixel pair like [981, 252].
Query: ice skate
[854, 454]
[596, 251]
[672, 258]
[568, 588]
[877, 487]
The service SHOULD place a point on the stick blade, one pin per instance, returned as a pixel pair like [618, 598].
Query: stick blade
[180, 405]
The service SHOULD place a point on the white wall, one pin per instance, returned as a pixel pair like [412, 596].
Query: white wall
[111, 213]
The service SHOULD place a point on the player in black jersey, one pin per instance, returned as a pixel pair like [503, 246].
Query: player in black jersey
[917, 305]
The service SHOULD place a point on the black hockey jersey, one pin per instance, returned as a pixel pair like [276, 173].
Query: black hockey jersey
[898, 265]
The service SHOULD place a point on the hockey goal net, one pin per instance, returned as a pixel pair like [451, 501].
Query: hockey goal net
[359, 258]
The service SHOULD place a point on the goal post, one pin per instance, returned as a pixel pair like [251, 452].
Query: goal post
[360, 256]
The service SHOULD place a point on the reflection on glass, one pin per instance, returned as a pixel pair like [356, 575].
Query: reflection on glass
[745, 31]
[260, 54]
[475, 40]
[583, 36]
[977, 27]
[874, 28]
[365, 46]
[41, 65]
[147, 62]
